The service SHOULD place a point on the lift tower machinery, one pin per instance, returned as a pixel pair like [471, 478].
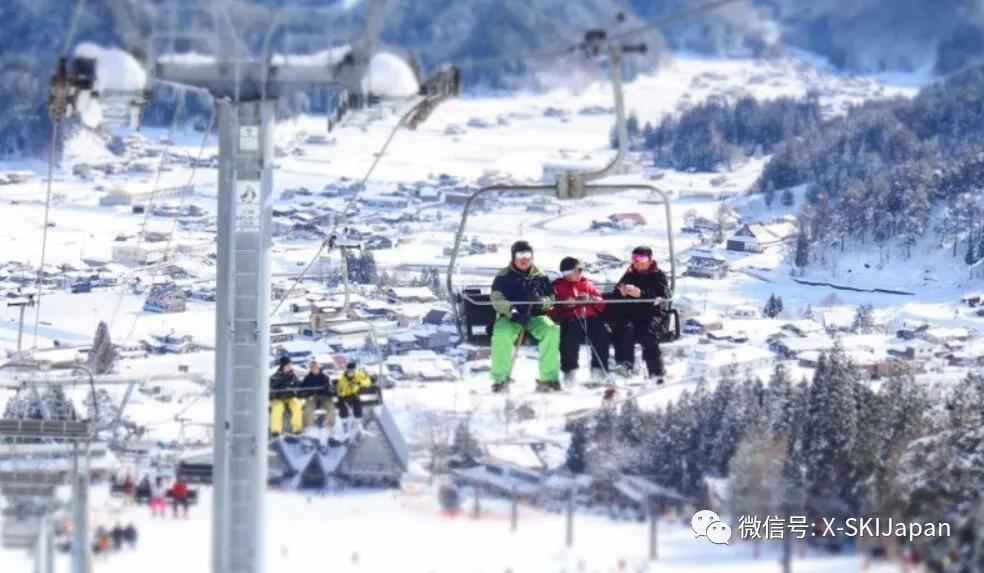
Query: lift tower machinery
[229, 50]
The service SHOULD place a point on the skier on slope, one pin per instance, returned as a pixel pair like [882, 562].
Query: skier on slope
[578, 322]
[282, 384]
[639, 322]
[523, 282]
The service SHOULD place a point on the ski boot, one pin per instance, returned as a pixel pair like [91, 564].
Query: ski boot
[500, 387]
[548, 386]
[623, 371]
[570, 377]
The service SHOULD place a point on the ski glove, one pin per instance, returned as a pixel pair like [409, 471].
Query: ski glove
[517, 316]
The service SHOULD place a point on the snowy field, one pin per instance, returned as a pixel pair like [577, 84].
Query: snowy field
[323, 533]
[342, 533]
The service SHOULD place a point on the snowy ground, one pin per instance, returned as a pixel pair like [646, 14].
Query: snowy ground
[305, 531]
[342, 533]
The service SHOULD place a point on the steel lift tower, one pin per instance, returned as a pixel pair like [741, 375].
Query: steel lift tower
[245, 89]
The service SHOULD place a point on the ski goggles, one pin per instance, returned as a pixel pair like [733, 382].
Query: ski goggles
[573, 271]
[641, 258]
[523, 256]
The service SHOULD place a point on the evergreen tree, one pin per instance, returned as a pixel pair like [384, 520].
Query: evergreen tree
[864, 320]
[102, 355]
[632, 125]
[464, 443]
[802, 250]
[629, 424]
[971, 256]
[830, 434]
[787, 198]
[773, 307]
[577, 450]
[769, 309]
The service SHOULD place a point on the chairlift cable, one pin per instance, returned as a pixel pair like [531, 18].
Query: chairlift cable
[174, 225]
[149, 207]
[558, 52]
[329, 242]
[44, 232]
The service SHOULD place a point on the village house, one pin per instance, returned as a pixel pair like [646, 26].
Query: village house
[706, 265]
[942, 335]
[410, 294]
[165, 298]
[755, 237]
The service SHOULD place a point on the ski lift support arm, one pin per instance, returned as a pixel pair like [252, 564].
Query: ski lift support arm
[577, 185]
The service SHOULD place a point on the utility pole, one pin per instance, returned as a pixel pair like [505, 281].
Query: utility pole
[22, 304]
[653, 528]
[81, 556]
[569, 539]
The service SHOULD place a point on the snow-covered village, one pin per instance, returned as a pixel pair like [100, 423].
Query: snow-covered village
[569, 286]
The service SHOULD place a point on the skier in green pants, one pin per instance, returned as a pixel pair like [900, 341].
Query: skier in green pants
[521, 282]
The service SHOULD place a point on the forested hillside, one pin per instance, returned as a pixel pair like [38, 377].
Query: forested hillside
[867, 35]
[828, 447]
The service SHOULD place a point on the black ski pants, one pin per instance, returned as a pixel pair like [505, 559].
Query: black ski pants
[574, 332]
[347, 402]
[638, 330]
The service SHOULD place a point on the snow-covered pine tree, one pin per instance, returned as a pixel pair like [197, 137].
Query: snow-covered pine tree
[629, 424]
[464, 443]
[578, 449]
[829, 434]
[864, 320]
[787, 198]
[102, 355]
[717, 428]
[769, 308]
[755, 474]
[802, 258]
[942, 474]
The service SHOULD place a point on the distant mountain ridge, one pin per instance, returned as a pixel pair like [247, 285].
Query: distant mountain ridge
[861, 35]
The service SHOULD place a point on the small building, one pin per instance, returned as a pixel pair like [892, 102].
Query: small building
[133, 254]
[796, 347]
[627, 220]
[410, 294]
[973, 300]
[944, 335]
[707, 265]
[165, 298]
[460, 197]
[387, 202]
[116, 197]
[435, 317]
[755, 237]
[702, 324]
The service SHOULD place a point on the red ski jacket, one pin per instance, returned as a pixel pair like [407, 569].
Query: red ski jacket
[566, 290]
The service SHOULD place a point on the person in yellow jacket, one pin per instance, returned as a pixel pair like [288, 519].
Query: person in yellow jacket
[350, 383]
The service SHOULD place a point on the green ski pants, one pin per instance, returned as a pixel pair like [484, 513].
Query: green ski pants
[505, 336]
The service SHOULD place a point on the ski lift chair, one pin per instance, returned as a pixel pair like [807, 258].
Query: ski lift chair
[472, 304]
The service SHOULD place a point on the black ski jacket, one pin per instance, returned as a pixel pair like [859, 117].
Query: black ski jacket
[318, 380]
[512, 285]
[282, 381]
[652, 283]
